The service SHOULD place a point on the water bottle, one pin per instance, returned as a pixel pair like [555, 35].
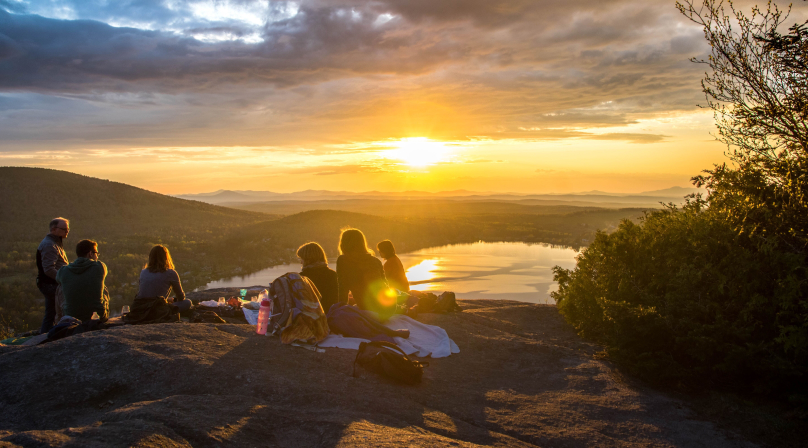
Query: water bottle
[263, 316]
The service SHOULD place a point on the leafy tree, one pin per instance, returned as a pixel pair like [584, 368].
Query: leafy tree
[757, 87]
[716, 293]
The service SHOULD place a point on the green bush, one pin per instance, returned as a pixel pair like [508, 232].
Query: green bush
[683, 297]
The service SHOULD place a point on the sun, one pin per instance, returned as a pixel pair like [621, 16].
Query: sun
[418, 151]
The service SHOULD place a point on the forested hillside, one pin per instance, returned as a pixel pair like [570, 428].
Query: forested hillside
[210, 242]
[126, 221]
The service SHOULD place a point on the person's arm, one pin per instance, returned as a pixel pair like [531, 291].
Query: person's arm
[102, 306]
[50, 256]
[176, 287]
[342, 281]
[105, 314]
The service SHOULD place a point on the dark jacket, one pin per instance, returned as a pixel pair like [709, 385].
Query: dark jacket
[50, 257]
[363, 276]
[83, 287]
[325, 279]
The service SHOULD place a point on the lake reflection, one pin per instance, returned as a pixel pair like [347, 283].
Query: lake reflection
[511, 271]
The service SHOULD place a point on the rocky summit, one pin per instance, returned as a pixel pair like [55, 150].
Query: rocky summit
[522, 378]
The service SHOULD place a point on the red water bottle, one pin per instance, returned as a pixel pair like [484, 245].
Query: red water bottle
[263, 316]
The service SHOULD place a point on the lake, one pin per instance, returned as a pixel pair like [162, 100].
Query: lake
[511, 271]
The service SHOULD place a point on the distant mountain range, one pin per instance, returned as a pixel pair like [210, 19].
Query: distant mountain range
[588, 198]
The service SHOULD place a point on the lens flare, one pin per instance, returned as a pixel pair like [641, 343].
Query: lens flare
[388, 297]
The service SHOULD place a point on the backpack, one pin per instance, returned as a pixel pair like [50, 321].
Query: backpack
[377, 357]
[288, 292]
[447, 303]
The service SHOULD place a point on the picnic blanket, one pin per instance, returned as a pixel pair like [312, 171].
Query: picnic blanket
[425, 340]
[352, 322]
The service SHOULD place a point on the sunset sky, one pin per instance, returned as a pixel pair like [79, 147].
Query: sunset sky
[529, 96]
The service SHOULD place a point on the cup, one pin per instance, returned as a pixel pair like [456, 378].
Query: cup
[243, 293]
[125, 309]
[221, 301]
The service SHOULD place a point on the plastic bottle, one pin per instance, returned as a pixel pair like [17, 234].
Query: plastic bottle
[263, 317]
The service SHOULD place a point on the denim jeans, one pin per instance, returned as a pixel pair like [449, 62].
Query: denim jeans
[49, 291]
[183, 305]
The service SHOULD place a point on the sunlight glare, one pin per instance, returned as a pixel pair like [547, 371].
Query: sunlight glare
[425, 270]
[418, 151]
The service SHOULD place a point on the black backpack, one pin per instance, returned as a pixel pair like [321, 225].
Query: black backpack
[377, 357]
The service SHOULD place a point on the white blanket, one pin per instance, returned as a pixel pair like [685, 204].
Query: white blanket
[251, 316]
[425, 340]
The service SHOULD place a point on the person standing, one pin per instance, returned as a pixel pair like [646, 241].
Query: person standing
[50, 257]
[83, 284]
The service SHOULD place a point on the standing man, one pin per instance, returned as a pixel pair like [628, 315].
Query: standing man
[50, 257]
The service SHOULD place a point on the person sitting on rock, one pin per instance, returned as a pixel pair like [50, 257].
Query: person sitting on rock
[393, 269]
[158, 279]
[361, 274]
[82, 284]
[315, 267]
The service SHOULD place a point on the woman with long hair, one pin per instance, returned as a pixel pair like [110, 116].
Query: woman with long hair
[159, 279]
[361, 274]
[315, 267]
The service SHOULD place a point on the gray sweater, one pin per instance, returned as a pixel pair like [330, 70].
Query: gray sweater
[160, 284]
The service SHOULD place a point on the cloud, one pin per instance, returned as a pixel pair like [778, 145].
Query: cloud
[13, 6]
[323, 73]
[330, 170]
[629, 137]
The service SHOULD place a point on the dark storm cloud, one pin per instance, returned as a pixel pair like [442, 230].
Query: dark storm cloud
[315, 45]
[324, 70]
[322, 40]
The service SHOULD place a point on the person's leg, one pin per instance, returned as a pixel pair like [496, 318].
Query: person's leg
[183, 305]
[49, 291]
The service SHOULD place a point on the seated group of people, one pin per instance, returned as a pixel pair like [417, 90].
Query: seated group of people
[76, 288]
[360, 278]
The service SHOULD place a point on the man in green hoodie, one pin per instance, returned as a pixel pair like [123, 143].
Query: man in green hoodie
[83, 283]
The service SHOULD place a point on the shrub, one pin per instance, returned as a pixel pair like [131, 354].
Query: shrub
[683, 297]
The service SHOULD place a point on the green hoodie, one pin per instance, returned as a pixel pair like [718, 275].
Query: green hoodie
[83, 287]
